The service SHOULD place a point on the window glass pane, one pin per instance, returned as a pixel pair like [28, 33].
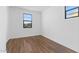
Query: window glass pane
[70, 7]
[72, 11]
[28, 17]
[27, 20]
[72, 15]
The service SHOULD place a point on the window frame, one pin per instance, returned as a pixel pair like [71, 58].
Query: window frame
[72, 16]
[26, 20]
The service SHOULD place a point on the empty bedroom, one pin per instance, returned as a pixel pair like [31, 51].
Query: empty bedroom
[39, 29]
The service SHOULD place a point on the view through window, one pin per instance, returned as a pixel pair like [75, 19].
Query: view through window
[71, 11]
[27, 20]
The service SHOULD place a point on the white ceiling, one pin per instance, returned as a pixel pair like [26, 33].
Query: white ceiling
[35, 8]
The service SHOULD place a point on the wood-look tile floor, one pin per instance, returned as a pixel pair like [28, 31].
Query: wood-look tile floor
[35, 44]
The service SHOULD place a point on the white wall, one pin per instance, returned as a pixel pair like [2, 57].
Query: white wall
[54, 26]
[16, 29]
[3, 28]
[57, 28]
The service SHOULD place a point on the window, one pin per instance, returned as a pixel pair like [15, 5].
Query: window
[71, 11]
[27, 20]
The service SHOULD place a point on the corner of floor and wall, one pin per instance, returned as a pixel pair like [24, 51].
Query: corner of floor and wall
[49, 23]
[61, 30]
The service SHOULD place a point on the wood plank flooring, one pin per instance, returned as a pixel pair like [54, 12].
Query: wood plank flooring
[35, 44]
